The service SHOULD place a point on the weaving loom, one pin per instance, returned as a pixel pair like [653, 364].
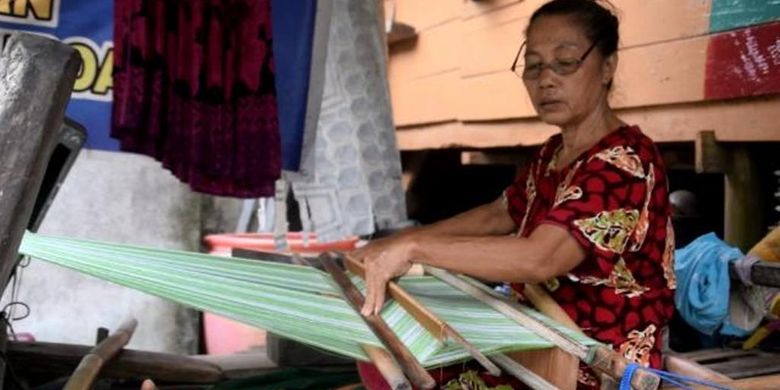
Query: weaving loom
[299, 302]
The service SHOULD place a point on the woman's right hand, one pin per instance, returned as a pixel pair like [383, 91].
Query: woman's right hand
[374, 249]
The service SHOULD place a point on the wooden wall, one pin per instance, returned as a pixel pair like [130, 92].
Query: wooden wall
[685, 66]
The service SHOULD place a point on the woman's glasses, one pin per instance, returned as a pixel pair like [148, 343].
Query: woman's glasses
[561, 67]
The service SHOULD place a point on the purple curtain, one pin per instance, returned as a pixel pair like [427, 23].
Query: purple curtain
[194, 88]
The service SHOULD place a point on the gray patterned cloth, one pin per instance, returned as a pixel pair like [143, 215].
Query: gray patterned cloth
[350, 179]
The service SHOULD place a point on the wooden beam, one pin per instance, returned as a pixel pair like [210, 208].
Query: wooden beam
[743, 217]
[709, 156]
[748, 120]
[89, 367]
[40, 358]
[682, 366]
[492, 157]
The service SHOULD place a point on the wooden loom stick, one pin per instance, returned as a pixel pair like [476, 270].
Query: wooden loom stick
[90, 365]
[384, 362]
[600, 357]
[429, 320]
[528, 377]
[410, 366]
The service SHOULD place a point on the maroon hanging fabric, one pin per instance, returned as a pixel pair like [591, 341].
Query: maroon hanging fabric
[194, 88]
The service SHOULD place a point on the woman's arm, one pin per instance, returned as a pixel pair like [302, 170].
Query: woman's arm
[549, 251]
[487, 220]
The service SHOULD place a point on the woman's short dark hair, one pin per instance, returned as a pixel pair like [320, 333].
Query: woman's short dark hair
[597, 21]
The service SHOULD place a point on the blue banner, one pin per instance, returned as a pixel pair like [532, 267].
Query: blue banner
[86, 25]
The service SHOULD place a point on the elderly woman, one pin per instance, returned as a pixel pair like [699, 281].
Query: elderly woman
[589, 217]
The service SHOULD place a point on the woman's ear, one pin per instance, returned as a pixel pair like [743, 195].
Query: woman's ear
[608, 69]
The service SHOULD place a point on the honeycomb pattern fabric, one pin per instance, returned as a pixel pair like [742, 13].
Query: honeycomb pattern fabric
[351, 175]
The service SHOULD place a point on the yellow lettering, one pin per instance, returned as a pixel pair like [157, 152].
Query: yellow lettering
[104, 80]
[41, 9]
[5, 7]
[88, 70]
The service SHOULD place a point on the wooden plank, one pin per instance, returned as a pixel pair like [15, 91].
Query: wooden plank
[744, 62]
[475, 9]
[668, 73]
[680, 63]
[709, 156]
[758, 383]
[743, 216]
[37, 78]
[709, 355]
[49, 358]
[730, 14]
[427, 100]
[682, 366]
[517, 157]
[434, 51]
[477, 57]
[665, 73]
[495, 96]
[681, 19]
[504, 29]
[423, 15]
[764, 364]
[749, 120]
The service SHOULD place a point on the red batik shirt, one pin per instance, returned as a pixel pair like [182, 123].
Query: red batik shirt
[613, 200]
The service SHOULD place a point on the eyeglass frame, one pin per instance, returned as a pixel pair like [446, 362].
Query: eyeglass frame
[547, 65]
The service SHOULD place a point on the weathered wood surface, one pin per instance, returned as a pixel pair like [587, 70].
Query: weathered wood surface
[49, 358]
[89, 367]
[457, 69]
[36, 79]
[749, 120]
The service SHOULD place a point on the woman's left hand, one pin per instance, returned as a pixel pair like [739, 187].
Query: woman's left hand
[393, 261]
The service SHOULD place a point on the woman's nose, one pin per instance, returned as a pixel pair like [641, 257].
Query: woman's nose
[547, 77]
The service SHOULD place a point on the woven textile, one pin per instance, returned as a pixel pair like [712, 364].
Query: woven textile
[301, 303]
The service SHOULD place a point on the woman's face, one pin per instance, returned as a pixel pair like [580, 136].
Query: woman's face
[565, 99]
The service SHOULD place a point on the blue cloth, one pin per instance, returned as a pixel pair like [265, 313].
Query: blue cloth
[293, 31]
[703, 284]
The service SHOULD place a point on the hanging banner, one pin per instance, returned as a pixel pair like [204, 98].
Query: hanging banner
[86, 25]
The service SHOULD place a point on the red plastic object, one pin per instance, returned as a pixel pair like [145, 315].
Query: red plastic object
[224, 336]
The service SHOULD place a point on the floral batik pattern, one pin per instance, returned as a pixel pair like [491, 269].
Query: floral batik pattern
[621, 279]
[565, 190]
[668, 257]
[613, 200]
[644, 217]
[624, 158]
[638, 345]
[609, 230]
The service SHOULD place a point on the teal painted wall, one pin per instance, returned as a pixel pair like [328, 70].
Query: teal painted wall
[731, 14]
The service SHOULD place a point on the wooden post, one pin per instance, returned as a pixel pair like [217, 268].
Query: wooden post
[742, 208]
[742, 214]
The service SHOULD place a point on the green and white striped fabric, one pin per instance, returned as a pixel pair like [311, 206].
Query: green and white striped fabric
[301, 303]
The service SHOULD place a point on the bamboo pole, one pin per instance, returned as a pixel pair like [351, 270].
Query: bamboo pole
[429, 320]
[90, 365]
[599, 357]
[409, 365]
